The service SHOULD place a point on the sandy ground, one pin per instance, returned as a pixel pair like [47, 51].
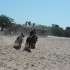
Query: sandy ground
[51, 53]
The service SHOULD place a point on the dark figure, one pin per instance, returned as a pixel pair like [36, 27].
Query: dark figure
[33, 32]
[31, 41]
[19, 41]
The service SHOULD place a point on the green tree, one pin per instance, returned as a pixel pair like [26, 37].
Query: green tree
[5, 21]
[29, 23]
[26, 23]
[56, 30]
[41, 27]
[33, 24]
[67, 32]
[55, 25]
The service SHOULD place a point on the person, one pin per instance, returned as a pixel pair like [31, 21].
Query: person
[31, 41]
[32, 32]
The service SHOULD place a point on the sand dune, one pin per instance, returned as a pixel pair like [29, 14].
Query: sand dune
[51, 53]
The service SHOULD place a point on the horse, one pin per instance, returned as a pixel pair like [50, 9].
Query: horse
[18, 41]
[30, 42]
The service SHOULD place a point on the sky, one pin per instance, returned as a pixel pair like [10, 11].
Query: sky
[44, 12]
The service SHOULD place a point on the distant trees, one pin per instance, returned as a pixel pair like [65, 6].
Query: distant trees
[67, 32]
[26, 23]
[56, 30]
[33, 24]
[29, 23]
[5, 22]
[41, 27]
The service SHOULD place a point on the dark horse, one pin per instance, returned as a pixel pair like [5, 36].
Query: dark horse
[30, 42]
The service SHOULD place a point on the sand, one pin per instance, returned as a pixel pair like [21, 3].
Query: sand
[51, 53]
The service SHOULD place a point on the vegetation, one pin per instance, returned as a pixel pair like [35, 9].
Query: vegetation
[56, 30]
[6, 22]
[29, 23]
[67, 32]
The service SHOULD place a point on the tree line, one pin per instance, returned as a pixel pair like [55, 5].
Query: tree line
[56, 30]
[59, 31]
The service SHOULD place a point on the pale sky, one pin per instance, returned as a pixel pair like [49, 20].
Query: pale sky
[45, 12]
